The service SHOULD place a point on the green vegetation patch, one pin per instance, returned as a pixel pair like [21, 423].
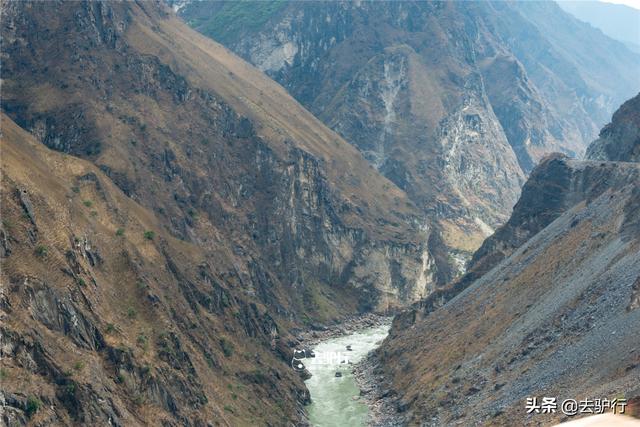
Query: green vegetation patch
[33, 405]
[227, 347]
[225, 20]
[317, 303]
[42, 251]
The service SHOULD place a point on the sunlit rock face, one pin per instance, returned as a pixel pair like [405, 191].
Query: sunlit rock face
[455, 102]
[620, 139]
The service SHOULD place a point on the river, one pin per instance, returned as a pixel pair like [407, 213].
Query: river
[336, 400]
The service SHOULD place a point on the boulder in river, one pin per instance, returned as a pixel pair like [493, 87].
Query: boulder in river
[338, 374]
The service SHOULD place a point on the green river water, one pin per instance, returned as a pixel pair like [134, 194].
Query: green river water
[336, 401]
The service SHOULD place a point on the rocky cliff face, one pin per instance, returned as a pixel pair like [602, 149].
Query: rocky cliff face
[541, 203]
[452, 101]
[620, 139]
[169, 213]
[209, 143]
[108, 319]
[549, 301]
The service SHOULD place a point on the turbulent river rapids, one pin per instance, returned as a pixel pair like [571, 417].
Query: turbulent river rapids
[335, 395]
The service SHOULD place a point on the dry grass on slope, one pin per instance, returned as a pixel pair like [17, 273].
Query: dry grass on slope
[552, 319]
[278, 117]
[105, 314]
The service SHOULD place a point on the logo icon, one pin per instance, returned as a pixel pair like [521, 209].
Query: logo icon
[296, 361]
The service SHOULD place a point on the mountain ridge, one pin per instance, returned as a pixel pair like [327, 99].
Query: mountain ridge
[169, 216]
[618, 21]
[547, 307]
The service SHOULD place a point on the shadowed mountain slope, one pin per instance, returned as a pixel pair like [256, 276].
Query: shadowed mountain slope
[108, 319]
[620, 139]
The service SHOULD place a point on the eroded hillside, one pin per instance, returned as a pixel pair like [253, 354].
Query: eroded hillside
[169, 213]
[109, 319]
[550, 307]
[455, 102]
[217, 150]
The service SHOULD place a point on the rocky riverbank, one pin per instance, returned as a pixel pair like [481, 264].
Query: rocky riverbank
[378, 395]
[373, 391]
[319, 332]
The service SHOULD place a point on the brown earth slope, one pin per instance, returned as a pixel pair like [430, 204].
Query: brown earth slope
[551, 311]
[169, 213]
[103, 322]
[557, 318]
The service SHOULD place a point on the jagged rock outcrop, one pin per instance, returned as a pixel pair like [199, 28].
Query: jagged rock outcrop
[620, 139]
[105, 322]
[452, 101]
[541, 203]
[549, 301]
